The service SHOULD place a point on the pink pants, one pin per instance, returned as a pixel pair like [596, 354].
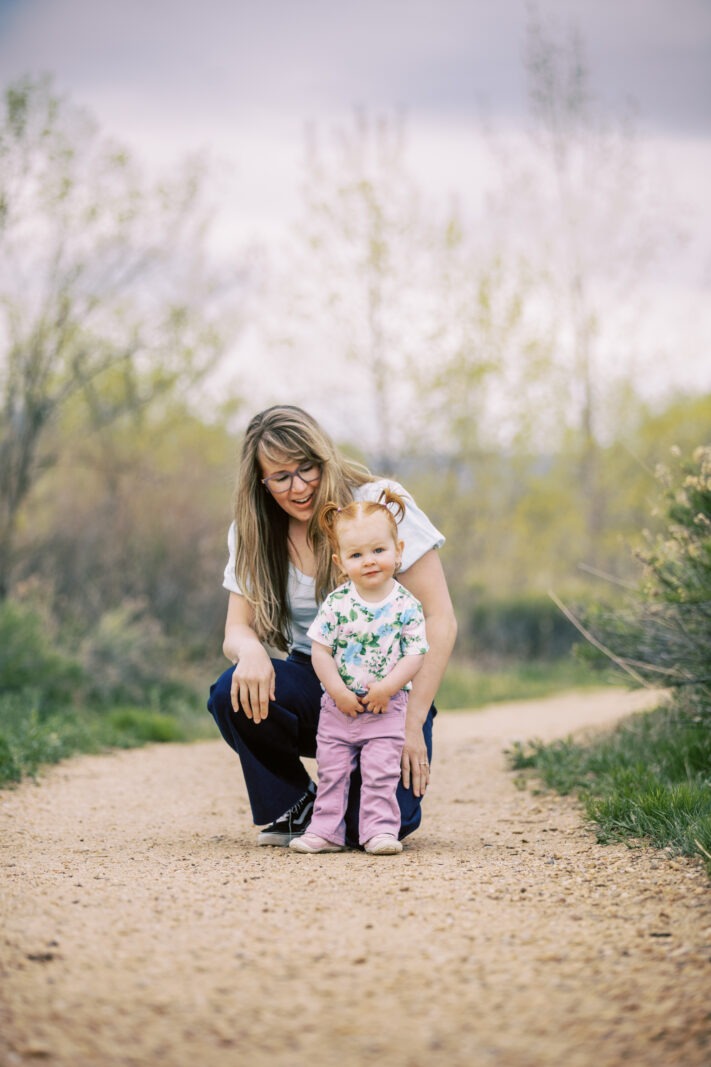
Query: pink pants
[379, 740]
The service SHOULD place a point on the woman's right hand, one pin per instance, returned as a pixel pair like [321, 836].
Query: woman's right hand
[253, 676]
[253, 683]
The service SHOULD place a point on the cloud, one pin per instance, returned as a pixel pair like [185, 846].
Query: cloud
[441, 58]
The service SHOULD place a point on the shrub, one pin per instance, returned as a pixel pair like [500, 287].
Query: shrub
[30, 737]
[662, 633]
[145, 726]
[31, 659]
[126, 657]
[520, 628]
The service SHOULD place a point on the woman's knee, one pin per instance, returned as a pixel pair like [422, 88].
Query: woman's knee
[219, 702]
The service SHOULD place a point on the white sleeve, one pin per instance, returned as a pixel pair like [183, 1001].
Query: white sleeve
[416, 530]
[230, 580]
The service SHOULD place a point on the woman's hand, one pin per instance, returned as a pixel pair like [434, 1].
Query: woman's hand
[253, 677]
[425, 580]
[253, 683]
[415, 762]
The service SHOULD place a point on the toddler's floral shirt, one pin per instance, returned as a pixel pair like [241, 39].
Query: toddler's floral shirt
[367, 640]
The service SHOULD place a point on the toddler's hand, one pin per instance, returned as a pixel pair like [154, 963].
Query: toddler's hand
[348, 703]
[377, 698]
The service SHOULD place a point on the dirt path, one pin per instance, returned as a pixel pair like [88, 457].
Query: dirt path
[141, 926]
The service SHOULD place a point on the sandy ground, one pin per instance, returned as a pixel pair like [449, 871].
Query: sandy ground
[141, 925]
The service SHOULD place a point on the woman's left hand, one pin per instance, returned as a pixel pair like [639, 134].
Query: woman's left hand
[415, 762]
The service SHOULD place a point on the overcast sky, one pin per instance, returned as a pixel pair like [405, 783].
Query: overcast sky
[235, 76]
[303, 58]
[241, 79]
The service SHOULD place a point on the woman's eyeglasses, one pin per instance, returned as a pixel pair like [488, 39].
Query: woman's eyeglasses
[282, 481]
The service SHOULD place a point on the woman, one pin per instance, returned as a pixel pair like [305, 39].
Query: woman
[280, 568]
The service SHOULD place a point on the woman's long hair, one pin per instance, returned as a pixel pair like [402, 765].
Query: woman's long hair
[262, 563]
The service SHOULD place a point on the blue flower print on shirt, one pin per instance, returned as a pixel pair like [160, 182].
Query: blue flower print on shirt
[379, 611]
[353, 654]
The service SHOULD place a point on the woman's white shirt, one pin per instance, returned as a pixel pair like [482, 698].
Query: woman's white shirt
[415, 529]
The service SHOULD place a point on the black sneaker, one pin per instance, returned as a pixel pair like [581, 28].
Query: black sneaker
[292, 823]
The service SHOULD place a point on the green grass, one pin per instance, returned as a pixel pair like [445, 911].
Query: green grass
[649, 779]
[31, 737]
[466, 686]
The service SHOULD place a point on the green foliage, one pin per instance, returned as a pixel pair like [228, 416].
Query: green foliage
[10, 770]
[681, 563]
[526, 627]
[138, 513]
[31, 738]
[662, 633]
[124, 691]
[126, 656]
[30, 659]
[649, 778]
[467, 686]
[676, 816]
[145, 726]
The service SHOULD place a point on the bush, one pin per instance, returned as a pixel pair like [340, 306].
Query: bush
[145, 726]
[31, 659]
[519, 628]
[662, 634]
[52, 705]
[127, 658]
[30, 737]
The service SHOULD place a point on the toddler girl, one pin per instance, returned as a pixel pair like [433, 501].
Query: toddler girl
[368, 643]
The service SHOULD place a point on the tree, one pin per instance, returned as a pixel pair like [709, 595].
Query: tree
[139, 520]
[546, 297]
[105, 294]
[363, 282]
[593, 231]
